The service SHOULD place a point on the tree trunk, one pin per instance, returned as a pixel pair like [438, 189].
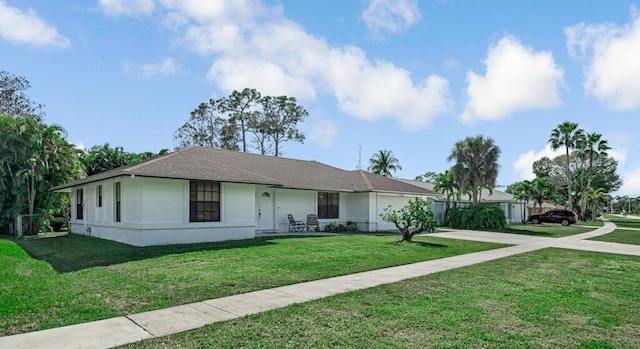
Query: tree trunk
[406, 235]
[244, 138]
[583, 207]
[569, 197]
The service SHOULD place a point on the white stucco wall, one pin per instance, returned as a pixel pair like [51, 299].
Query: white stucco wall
[299, 203]
[155, 211]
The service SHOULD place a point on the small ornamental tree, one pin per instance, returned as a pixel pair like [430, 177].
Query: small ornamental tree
[414, 218]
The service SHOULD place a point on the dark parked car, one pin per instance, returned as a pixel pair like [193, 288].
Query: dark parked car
[563, 217]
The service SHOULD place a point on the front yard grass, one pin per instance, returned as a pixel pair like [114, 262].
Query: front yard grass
[544, 229]
[622, 236]
[625, 222]
[60, 281]
[598, 223]
[550, 298]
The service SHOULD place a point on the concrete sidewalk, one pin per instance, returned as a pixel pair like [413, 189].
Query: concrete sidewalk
[132, 328]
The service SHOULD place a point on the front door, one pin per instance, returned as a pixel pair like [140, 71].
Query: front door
[265, 210]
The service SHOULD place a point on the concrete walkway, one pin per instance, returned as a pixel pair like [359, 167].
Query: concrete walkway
[132, 328]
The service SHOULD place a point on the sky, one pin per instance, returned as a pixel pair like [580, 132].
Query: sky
[413, 77]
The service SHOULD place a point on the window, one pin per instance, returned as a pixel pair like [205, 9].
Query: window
[204, 201]
[327, 205]
[79, 200]
[118, 202]
[99, 196]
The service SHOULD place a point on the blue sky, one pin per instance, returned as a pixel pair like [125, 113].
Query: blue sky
[410, 76]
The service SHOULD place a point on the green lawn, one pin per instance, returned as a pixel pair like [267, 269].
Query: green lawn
[621, 236]
[625, 222]
[53, 282]
[550, 298]
[545, 229]
[597, 223]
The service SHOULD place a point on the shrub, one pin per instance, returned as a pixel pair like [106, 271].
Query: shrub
[414, 218]
[331, 226]
[477, 217]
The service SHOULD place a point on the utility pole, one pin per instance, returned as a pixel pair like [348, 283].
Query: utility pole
[359, 166]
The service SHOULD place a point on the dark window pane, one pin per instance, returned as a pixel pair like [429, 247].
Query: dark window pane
[328, 207]
[204, 201]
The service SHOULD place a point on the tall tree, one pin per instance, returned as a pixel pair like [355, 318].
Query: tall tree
[543, 167]
[258, 124]
[241, 106]
[13, 100]
[476, 165]
[569, 136]
[207, 127]
[591, 147]
[282, 115]
[384, 163]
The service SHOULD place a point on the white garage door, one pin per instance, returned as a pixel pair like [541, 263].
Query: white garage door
[396, 203]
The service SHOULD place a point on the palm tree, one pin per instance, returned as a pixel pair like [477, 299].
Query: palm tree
[569, 136]
[542, 189]
[523, 191]
[592, 146]
[443, 182]
[383, 163]
[476, 165]
[595, 197]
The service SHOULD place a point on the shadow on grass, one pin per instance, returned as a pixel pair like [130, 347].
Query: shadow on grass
[420, 243]
[69, 253]
[532, 232]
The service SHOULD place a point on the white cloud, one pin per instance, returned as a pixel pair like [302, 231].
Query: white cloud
[619, 143]
[523, 166]
[323, 132]
[517, 78]
[27, 27]
[393, 16]
[256, 46]
[631, 183]
[165, 67]
[127, 7]
[611, 54]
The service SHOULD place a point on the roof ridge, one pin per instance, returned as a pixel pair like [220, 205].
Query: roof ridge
[367, 182]
[153, 160]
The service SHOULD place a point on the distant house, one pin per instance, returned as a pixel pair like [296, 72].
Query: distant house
[201, 194]
[513, 209]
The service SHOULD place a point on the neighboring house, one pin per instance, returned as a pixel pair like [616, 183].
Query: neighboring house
[546, 206]
[202, 194]
[513, 209]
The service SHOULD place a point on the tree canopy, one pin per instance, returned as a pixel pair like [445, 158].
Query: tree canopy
[13, 99]
[226, 123]
[101, 158]
[476, 165]
[569, 136]
[35, 157]
[384, 163]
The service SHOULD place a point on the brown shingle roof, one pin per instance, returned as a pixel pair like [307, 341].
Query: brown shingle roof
[232, 166]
